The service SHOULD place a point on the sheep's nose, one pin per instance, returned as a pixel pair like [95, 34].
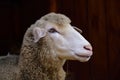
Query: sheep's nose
[88, 47]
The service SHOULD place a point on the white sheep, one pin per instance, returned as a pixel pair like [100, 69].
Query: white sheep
[47, 44]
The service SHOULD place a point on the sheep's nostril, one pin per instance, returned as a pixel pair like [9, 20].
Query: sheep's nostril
[88, 47]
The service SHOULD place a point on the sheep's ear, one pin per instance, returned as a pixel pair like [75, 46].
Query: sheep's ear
[38, 33]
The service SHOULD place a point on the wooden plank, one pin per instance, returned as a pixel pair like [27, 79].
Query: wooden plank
[98, 37]
[53, 6]
[113, 29]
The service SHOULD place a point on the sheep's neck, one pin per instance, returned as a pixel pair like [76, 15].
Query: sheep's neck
[38, 63]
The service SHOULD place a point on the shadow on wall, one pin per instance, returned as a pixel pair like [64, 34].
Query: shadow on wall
[19, 15]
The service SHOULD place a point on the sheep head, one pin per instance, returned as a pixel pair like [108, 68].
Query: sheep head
[66, 42]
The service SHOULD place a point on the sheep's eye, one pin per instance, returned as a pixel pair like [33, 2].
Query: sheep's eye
[52, 30]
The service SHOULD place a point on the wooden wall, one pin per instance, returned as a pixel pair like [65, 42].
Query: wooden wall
[99, 20]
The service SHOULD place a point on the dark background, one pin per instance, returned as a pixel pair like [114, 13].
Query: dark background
[99, 20]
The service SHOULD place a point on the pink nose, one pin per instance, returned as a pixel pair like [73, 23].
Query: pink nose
[88, 47]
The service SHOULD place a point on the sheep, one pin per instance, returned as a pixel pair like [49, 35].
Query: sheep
[47, 44]
[8, 67]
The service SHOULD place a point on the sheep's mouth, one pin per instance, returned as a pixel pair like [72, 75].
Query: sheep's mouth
[83, 56]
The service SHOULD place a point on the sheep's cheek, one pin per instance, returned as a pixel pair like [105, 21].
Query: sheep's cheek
[59, 42]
